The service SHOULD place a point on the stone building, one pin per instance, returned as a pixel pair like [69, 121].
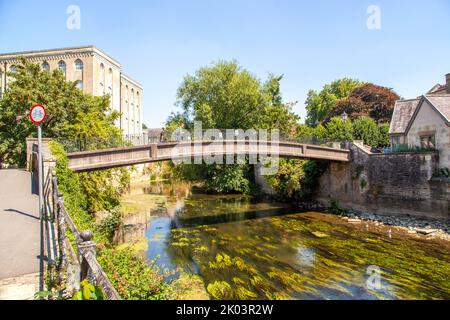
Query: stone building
[424, 122]
[94, 72]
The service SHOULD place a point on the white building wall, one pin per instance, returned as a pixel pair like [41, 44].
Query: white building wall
[428, 121]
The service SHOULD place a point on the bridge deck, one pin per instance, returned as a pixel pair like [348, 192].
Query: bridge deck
[126, 156]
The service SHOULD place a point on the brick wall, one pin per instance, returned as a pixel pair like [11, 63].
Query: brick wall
[394, 184]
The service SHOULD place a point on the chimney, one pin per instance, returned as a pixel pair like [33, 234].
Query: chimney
[447, 81]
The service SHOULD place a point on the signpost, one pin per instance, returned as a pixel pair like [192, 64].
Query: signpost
[37, 116]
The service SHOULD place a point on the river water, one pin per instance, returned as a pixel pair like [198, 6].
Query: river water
[253, 249]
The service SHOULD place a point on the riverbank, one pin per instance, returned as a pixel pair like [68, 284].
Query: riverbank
[420, 228]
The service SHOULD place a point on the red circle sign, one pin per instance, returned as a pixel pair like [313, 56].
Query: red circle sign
[38, 114]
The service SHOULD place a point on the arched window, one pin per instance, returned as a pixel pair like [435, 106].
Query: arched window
[62, 66]
[79, 84]
[78, 65]
[110, 76]
[1, 85]
[45, 66]
[102, 79]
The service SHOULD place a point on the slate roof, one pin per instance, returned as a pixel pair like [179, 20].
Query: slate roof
[438, 89]
[403, 111]
[154, 132]
[441, 103]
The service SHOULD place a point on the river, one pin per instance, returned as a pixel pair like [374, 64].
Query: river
[244, 248]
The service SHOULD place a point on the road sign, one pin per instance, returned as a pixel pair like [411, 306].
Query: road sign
[38, 114]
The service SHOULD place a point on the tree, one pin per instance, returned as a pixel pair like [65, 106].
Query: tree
[384, 140]
[339, 130]
[368, 100]
[73, 117]
[222, 96]
[297, 179]
[319, 104]
[226, 96]
[366, 129]
[71, 114]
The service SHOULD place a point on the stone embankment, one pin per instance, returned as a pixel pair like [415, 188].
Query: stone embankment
[421, 227]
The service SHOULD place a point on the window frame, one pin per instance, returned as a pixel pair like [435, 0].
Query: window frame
[428, 140]
[79, 63]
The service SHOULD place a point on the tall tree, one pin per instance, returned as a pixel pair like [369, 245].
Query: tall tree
[72, 114]
[368, 100]
[319, 104]
[339, 130]
[226, 96]
[366, 129]
[222, 96]
[72, 117]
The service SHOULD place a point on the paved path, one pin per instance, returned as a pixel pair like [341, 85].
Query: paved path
[20, 237]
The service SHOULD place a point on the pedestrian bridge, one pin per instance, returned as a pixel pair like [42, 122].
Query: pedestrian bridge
[128, 156]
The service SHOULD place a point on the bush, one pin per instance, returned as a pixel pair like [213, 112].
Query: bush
[132, 276]
[404, 148]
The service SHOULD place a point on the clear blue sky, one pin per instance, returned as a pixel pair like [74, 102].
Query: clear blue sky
[310, 42]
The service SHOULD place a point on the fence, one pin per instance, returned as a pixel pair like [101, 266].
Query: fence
[76, 145]
[74, 264]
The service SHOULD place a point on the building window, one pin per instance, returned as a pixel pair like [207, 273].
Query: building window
[62, 66]
[79, 65]
[13, 69]
[428, 141]
[101, 89]
[79, 84]
[45, 66]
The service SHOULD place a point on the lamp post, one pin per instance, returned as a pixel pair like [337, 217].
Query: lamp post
[344, 118]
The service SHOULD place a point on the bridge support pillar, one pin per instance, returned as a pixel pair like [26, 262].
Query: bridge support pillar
[153, 151]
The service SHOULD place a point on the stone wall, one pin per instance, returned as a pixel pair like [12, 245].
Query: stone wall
[390, 184]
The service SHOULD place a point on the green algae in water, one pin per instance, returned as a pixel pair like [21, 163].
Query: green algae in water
[248, 250]
[291, 257]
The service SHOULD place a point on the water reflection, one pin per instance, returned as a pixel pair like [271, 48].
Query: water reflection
[246, 249]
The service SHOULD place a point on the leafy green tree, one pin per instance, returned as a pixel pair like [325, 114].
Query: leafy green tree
[297, 179]
[277, 114]
[339, 130]
[222, 96]
[373, 134]
[319, 104]
[384, 139]
[366, 129]
[73, 118]
[71, 114]
[226, 96]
